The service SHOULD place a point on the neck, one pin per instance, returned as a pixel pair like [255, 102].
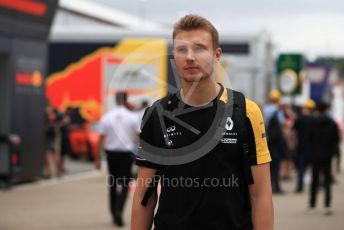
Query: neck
[199, 93]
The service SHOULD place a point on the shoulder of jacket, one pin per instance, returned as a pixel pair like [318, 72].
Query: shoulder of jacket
[252, 107]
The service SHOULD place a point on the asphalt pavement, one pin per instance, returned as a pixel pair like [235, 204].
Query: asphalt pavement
[80, 201]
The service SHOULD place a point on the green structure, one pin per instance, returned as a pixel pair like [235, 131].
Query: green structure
[290, 68]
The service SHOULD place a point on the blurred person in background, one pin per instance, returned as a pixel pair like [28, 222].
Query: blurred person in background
[65, 143]
[302, 157]
[118, 128]
[52, 156]
[290, 140]
[324, 136]
[337, 156]
[275, 119]
[76, 120]
[337, 152]
[140, 111]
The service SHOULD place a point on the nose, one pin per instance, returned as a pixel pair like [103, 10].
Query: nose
[190, 56]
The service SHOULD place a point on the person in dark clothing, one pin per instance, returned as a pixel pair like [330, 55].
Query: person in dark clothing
[52, 122]
[275, 120]
[65, 143]
[76, 120]
[244, 206]
[324, 137]
[302, 158]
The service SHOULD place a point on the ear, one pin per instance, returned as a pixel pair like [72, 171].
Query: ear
[218, 53]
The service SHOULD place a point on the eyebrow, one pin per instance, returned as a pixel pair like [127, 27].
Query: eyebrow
[200, 44]
[192, 44]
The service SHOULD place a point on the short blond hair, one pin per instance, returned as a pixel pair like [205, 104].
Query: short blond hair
[194, 22]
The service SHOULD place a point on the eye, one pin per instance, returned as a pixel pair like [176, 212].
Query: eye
[198, 48]
[180, 49]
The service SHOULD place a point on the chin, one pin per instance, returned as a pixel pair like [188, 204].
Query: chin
[192, 78]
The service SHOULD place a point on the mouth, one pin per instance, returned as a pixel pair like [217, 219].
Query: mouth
[191, 68]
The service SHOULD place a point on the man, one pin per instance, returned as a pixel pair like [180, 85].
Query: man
[118, 128]
[275, 119]
[241, 206]
[324, 136]
[52, 156]
[301, 127]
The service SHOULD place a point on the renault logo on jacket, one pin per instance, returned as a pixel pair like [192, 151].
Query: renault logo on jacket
[229, 124]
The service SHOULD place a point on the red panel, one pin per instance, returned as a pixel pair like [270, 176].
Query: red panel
[79, 86]
[23, 78]
[26, 6]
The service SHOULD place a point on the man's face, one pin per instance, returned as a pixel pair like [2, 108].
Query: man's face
[194, 55]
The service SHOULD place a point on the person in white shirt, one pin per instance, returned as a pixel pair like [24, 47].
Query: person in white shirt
[118, 128]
